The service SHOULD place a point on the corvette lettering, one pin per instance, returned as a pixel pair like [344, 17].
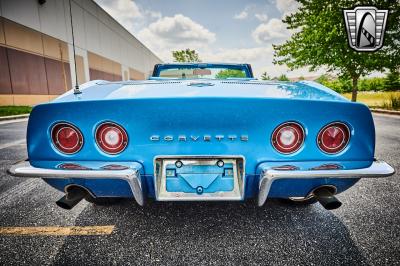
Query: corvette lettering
[194, 138]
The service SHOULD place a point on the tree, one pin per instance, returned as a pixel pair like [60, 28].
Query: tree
[230, 73]
[320, 39]
[264, 76]
[392, 80]
[186, 56]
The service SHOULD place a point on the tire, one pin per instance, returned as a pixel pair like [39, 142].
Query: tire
[102, 201]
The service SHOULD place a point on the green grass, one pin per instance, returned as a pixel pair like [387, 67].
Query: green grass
[14, 110]
[386, 100]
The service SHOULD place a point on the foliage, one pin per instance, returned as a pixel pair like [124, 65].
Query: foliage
[371, 84]
[340, 85]
[393, 103]
[392, 80]
[343, 85]
[320, 39]
[230, 73]
[265, 76]
[323, 79]
[283, 77]
[186, 56]
[14, 110]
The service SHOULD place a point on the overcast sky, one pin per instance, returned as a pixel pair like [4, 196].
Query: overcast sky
[220, 30]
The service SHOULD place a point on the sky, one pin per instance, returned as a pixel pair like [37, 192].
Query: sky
[234, 31]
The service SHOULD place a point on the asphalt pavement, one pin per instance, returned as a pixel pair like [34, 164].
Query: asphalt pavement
[364, 231]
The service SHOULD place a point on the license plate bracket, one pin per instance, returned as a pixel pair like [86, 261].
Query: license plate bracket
[198, 178]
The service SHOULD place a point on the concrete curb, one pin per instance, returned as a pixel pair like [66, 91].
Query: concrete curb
[383, 111]
[13, 117]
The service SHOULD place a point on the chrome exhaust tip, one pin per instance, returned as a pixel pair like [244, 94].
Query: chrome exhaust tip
[74, 194]
[325, 196]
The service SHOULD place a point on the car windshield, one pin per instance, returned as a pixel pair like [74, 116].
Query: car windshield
[199, 71]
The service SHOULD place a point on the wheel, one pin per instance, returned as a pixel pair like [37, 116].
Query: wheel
[302, 201]
[102, 201]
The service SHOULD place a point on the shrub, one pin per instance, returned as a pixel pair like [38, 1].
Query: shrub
[392, 81]
[393, 103]
[343, 85]
[283, 77]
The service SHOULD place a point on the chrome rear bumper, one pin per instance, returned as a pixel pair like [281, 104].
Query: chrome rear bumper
[131, 176]
[268, 176]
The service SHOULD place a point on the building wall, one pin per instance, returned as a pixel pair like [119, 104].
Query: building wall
[36, 54]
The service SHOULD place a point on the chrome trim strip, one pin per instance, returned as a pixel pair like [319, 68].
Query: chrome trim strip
[268, 176]
[131, 176]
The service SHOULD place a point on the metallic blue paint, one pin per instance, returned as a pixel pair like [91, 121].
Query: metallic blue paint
[229, 107]
[284, 188]
[182, 89]
[210, 178]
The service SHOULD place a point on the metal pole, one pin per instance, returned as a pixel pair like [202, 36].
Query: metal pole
[76, 89]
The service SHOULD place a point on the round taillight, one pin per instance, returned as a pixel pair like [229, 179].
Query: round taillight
[67, 138]
[111, 138]
[333, 138]
[288, 137]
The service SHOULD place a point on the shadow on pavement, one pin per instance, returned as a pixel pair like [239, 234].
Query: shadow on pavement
[212, 233]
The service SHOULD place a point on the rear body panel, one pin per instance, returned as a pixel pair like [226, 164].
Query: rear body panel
[245, 113]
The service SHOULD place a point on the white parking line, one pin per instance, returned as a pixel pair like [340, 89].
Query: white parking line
[14, 143]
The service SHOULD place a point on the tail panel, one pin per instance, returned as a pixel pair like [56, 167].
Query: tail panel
[211, 126]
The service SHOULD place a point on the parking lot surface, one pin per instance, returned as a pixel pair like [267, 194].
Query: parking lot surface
[364, 231]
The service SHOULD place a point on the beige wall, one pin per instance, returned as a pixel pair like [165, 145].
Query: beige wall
[32, 63]
[26, 39]
[55, 48]
[103, 68]
[136, 75]
[23, 38]
[103, 64]
[25, 99]
[80, 67]
[36, 43]
[95, 30]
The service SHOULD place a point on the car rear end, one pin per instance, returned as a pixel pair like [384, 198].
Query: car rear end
[202, 148]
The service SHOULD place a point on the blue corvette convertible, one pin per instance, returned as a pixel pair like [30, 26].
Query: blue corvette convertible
[201, 132]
